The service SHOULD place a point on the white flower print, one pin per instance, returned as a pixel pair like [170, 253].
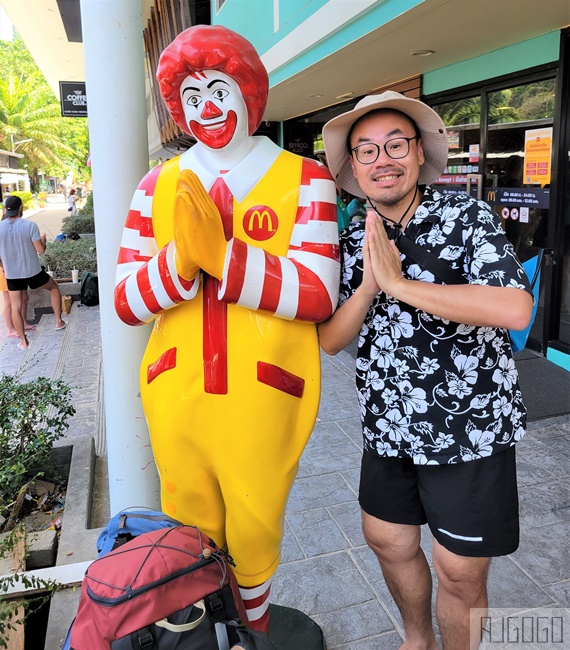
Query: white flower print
[421, 459]
[482, 444]
[394, 424]
[486, 334]
[486, 254]
[399, 322]
[412, 399]
[466, 367]
[451, 253]
[375, 381]
[502, 407]
[383, 351]
[458, 387]
[443, 441]
[385, 449]
[429, 366]
[506, 374]
[389, 397]
[415, 272]
[436, 235]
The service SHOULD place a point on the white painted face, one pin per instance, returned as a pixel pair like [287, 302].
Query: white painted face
[214, 108]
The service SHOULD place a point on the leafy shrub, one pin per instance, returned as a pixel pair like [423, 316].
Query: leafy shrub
[27, 198]
[33, 415]
[87, 209]
[83, 223]
[63, 256]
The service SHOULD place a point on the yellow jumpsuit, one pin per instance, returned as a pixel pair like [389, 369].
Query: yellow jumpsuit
[227, 461]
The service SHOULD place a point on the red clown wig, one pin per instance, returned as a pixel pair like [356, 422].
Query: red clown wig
[213, 47]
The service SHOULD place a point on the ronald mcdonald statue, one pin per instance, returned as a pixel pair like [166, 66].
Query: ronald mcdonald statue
[232, 249]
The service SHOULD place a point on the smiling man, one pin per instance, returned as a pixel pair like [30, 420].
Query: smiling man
[440, 403]
[232, 248]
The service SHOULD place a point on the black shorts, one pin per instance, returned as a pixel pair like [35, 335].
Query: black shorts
[471, 508]
[35, 282]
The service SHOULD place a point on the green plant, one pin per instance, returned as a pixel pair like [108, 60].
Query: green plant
[14, 612]
[27, 198]
[33, 415]
[63, 256]
[87, 208]
[79, 224]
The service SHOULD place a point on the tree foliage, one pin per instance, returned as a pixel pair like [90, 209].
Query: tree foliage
[30, 114]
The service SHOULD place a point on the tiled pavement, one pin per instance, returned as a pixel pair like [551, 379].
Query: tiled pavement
[327, 571]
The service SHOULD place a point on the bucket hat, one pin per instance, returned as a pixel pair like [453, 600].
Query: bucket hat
[430, 125]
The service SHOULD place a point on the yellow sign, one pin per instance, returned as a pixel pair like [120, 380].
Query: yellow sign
[537, 156]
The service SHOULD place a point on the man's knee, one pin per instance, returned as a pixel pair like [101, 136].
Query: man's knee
[391, 542]
[464, 577]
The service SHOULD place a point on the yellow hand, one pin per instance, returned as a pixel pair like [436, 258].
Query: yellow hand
[198, 229]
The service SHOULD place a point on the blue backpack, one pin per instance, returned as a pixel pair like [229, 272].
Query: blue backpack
[128, 524]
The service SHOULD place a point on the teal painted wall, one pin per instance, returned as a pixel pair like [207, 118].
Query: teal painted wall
[254, 20]
[526, 54]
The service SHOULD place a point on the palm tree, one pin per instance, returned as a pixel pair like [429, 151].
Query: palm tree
[29, 112]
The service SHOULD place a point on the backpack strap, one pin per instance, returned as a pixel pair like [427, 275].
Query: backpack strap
[427, 261]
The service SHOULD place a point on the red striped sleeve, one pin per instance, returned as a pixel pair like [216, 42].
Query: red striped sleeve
[314, 300]
[122, 306]
[272, 282]
[146, 291]
[236, 271]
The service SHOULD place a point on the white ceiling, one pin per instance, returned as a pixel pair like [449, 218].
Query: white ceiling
[455, 29]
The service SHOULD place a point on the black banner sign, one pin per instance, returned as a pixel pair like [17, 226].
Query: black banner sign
[73, 98]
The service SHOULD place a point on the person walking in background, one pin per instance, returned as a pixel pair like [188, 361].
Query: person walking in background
[440, 402]
[7, 309]
[72, 200]
[20, 244]
[7, 305]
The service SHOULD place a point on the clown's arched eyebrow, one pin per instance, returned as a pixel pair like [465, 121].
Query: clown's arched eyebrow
[214, 81]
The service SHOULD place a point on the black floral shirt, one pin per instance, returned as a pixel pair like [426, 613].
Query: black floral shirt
[430, 389]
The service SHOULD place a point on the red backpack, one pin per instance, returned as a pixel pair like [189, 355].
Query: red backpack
[169, 588]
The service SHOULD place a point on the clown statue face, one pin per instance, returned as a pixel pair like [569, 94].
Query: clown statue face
[214, 109]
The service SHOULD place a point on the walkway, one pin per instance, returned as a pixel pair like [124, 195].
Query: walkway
[327, 571]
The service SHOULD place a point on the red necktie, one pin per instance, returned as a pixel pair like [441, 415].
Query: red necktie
[215, 317]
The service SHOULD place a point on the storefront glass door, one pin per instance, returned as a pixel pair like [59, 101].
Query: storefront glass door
[501, 145]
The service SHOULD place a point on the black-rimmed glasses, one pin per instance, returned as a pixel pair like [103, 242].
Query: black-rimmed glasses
[395, 148]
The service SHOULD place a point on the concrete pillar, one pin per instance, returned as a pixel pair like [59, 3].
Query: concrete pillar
[114, 75]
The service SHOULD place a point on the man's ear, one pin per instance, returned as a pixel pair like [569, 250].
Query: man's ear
[421, 156]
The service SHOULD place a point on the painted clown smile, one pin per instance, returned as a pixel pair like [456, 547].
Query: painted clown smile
[215, 135]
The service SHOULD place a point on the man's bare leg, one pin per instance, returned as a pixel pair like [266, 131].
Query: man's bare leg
[17, 320]
[407, 575]
[462, 586]
[55, 298]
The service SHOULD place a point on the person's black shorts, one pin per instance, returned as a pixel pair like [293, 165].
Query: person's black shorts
[35, 282]
[471, 508]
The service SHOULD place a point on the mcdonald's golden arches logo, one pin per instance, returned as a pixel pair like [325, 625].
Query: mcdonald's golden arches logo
[260, 222]
[492, 196]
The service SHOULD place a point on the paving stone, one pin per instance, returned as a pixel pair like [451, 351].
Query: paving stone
[544, 553]
[321, 584]
[317, 532]
[354, 624]
[511, 587]
[318, 491]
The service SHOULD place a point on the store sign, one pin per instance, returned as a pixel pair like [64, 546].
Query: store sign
[518, 196]
[73, 98]
[537, 156]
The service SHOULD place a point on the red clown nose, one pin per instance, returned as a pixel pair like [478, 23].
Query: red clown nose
[210, 110]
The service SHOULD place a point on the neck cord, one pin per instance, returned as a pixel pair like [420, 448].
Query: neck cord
[397, 224]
